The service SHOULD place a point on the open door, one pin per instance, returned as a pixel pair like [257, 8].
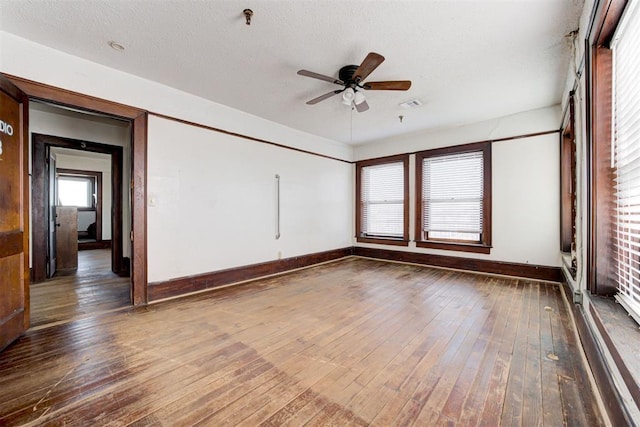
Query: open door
[66, 238]
[53, 201]
[14, 225]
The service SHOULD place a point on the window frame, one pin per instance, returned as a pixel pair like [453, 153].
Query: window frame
[484, 244]
[360, 237]
[93, 187]
[568, 179]
[97, 177]
[599, 57]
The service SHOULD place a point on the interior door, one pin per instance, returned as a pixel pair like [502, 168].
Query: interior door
[53, 201]
[66, 238]
[14, 226]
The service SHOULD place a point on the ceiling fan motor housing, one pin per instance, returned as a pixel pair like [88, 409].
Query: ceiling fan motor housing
[346, 75]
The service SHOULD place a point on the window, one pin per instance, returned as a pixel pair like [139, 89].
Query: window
[454, 198]
[626, 160]
[382, 210]
[76, 191]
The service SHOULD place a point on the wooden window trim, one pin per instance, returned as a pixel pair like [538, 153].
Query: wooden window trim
[481, 247]
[89, 177]
[98, 207]
[404, 241]
[568, 179]
[600, 174]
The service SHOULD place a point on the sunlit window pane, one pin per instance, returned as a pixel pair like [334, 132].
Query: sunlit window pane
[75, 192]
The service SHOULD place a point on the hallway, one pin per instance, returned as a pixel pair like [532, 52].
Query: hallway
[92, 289]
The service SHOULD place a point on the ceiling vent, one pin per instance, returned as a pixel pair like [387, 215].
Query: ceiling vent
[414, 103]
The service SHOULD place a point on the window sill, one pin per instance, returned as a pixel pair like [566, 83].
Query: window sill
[383, 241]
[449, 246]
[622, 339]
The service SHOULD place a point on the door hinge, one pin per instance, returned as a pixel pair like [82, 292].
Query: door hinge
[131, 235]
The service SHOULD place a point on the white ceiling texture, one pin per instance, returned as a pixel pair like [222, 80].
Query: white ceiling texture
[468, 60]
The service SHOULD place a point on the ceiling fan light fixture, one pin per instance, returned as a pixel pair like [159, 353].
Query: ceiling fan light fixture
[351, 78]
[348, 96]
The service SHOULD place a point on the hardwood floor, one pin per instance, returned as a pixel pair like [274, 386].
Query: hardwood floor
[92, 289]
[354, 342]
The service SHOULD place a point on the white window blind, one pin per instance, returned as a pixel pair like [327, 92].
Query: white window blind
[382, 198]
[452, 196]
[626, 105]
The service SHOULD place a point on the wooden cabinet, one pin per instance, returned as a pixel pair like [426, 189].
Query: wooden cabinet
[66, 239]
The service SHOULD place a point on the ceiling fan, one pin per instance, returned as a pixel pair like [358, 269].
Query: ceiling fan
[352, 78]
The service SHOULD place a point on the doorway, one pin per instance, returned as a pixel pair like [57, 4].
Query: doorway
[138, 118]
[77, 186]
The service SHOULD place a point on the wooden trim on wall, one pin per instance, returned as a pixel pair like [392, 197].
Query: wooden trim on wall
[72, 99]
[608, 391]
[139, 293]
[601, 244]
[506, 138]
[98, 244]
[529, 271]
[185, 285]
[568, 178]
[38, 210]
[250, 138]
[601, 200]
[609, 17]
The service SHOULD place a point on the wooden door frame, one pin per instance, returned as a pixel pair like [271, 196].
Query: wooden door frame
[139, 120]
[40, 200]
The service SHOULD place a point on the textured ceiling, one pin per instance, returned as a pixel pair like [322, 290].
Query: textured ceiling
[468, 60]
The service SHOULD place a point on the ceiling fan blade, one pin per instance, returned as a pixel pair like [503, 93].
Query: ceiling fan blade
[370, 63]
[363, 106]
[320, 77]
[323, 97]
[388, 85]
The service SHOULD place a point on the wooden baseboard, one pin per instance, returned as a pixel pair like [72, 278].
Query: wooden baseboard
[186, 285]
[529, 271]
[100, 244]
[608, 391]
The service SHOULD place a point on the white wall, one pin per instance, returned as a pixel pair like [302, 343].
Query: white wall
[202, 183]
[212, 204]
[195, 174]
[66, 161]
[44, 120]
[525, 183]
[24, 58]
[85, 219]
